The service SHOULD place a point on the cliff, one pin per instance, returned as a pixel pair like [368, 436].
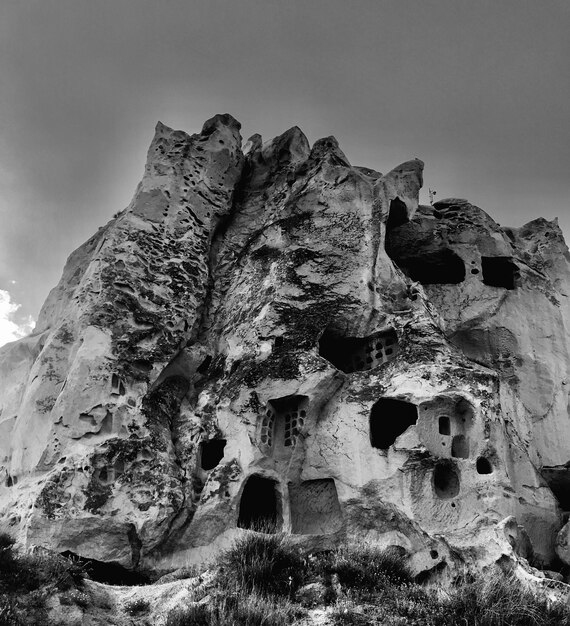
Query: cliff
[269, 336]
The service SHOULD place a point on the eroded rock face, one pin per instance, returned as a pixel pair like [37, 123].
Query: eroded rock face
[271, 337]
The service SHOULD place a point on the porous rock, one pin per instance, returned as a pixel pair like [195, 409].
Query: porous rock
[274, 338]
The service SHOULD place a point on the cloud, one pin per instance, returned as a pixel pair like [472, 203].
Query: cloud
[12, 326]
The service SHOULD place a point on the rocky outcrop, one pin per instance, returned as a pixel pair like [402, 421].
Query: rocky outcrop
[273, 337]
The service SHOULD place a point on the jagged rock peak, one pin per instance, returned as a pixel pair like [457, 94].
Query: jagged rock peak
[289, 148]
[218, 120]
[253, 144]
[328, 148]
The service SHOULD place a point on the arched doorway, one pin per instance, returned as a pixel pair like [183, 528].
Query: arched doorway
[260, 505]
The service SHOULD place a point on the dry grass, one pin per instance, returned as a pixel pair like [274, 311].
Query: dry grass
[265, 563]
[498, 601]
[237, 610]
[27, 580]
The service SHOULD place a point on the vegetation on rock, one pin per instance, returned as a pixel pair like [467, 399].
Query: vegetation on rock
[28, 580]
[260, 580]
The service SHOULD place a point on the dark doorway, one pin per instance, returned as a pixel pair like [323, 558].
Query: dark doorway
[398, 214]
[558, 479]
[499, 271]
[108, 573]
[444, 425]
[203, 367]
[211, 453]
[445, 480]
[443, 267]
[355, 354]
[460, 447]
[390, 418]
[258, 509]
[484, 466]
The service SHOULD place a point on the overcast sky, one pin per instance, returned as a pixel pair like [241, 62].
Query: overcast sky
[478, 89]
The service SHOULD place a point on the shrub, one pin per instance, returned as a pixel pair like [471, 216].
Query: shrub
[495, 601]
[137, 607]
[26, 580]
[9, 611]
[239, 609]
[504, 601]
[7, 554]
[364, 567]
[345, 614]
[53, 569]
[267, 564]
[26, 610]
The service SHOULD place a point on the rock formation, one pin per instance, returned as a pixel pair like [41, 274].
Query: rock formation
[273, 337]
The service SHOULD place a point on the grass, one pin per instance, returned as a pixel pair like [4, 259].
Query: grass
[137, 608]
[498, 601]
[256, 580]
[363, 567]
[265, 563]
[259, 575]
[237, 610]
[27, 580]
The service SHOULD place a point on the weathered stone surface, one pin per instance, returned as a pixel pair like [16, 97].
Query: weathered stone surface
[273, 336]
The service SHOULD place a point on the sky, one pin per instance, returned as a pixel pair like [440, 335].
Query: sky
[478, 89]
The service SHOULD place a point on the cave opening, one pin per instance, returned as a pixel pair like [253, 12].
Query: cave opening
[108, 573]
[259, 507]
[117, 386]
[356, 354]
[211, 453]
[558, 479]
[460, 447]
[398, 214]
[204, 365]
[445, 480]
[390, 418]
[444, 425]
[483, 466]
[442, 267]
[499, 271]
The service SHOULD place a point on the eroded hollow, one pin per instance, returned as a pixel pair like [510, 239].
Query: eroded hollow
[315, 509]
[389, 418]
[445, 426]
[558, 479]
[484, 466]
[446, 482]
[460, 447]
[442, 267]
[499, 271]
[211, 453]
[355, 354]
[203, 367]
[398, 214]
[108, 573]
[259, 507]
